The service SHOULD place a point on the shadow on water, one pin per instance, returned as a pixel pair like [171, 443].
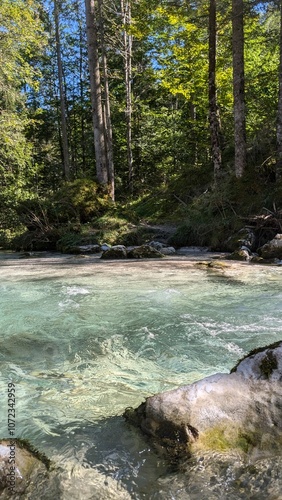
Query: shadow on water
[114, 449]
[224, 279]
[120, 452]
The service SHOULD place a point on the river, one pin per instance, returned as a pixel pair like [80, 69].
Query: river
[83, 339]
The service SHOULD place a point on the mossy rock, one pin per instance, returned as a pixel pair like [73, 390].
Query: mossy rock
[116, 252]
[261, 362]
[242, 255]
[213, 264]
[222, 412]
[144, 252]
[226, 438]
[21, 466]
[256, 259]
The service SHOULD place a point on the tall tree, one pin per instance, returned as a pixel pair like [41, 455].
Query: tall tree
[213, 110]
[279, 110]
[63, 117]
[127, 54]
[108, 131]
[96, 92]
[239, 86]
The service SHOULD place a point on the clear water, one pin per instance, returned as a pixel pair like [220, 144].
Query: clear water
[84, 339]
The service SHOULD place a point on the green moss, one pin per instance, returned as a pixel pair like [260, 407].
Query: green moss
[226, 438]
[268, 364]
[214, 439]
[256, 351]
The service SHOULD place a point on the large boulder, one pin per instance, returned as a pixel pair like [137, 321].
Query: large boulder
[162, 248]
[237, 411]
[115, 252]
[272, 249]
[144, 252]
[157, 245]
[168, 251]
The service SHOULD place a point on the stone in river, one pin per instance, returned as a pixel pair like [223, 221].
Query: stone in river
[237, 411]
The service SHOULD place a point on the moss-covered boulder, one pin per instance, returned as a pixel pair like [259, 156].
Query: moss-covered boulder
[238, 411]
[144, 252]
[115, 252]
[241, 254]
[21, 467]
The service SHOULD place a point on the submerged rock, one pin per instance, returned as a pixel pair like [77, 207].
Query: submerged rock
[237, 411]
[34, 478]
[21, 467]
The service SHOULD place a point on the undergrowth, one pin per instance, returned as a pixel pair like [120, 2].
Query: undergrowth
[80, 213]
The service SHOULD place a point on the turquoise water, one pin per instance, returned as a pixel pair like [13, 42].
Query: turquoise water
[82, 340]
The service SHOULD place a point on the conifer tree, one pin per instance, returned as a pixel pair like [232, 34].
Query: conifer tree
[239, 86]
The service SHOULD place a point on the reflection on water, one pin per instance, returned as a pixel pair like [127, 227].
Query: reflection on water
[85, 340]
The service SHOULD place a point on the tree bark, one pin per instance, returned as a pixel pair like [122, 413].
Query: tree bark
[239, 86]
[127, 43]
[107, 120]
[213, 110]
[279, 109]
[95, 88]
[63, 113]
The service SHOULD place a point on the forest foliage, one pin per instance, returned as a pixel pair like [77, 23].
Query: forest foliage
[154, 65]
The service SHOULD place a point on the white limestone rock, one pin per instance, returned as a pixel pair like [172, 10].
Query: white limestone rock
[240, 410]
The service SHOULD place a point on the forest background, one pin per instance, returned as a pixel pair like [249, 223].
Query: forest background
[116, 114]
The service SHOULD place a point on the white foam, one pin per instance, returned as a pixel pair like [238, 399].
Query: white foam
[75, 290]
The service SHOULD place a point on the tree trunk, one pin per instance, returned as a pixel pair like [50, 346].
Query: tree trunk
[239, 86]
[81, 87]
[279, 110]
[95, 88]
[213, 111]
[127, 43]
[107, 120]
[63, 117]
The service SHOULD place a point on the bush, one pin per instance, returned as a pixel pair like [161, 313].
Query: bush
[209, 220]
[70, 240]
[75, 202]
[36, 240]
[81, 200]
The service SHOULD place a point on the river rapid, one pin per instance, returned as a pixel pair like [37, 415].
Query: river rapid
[82, 339]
